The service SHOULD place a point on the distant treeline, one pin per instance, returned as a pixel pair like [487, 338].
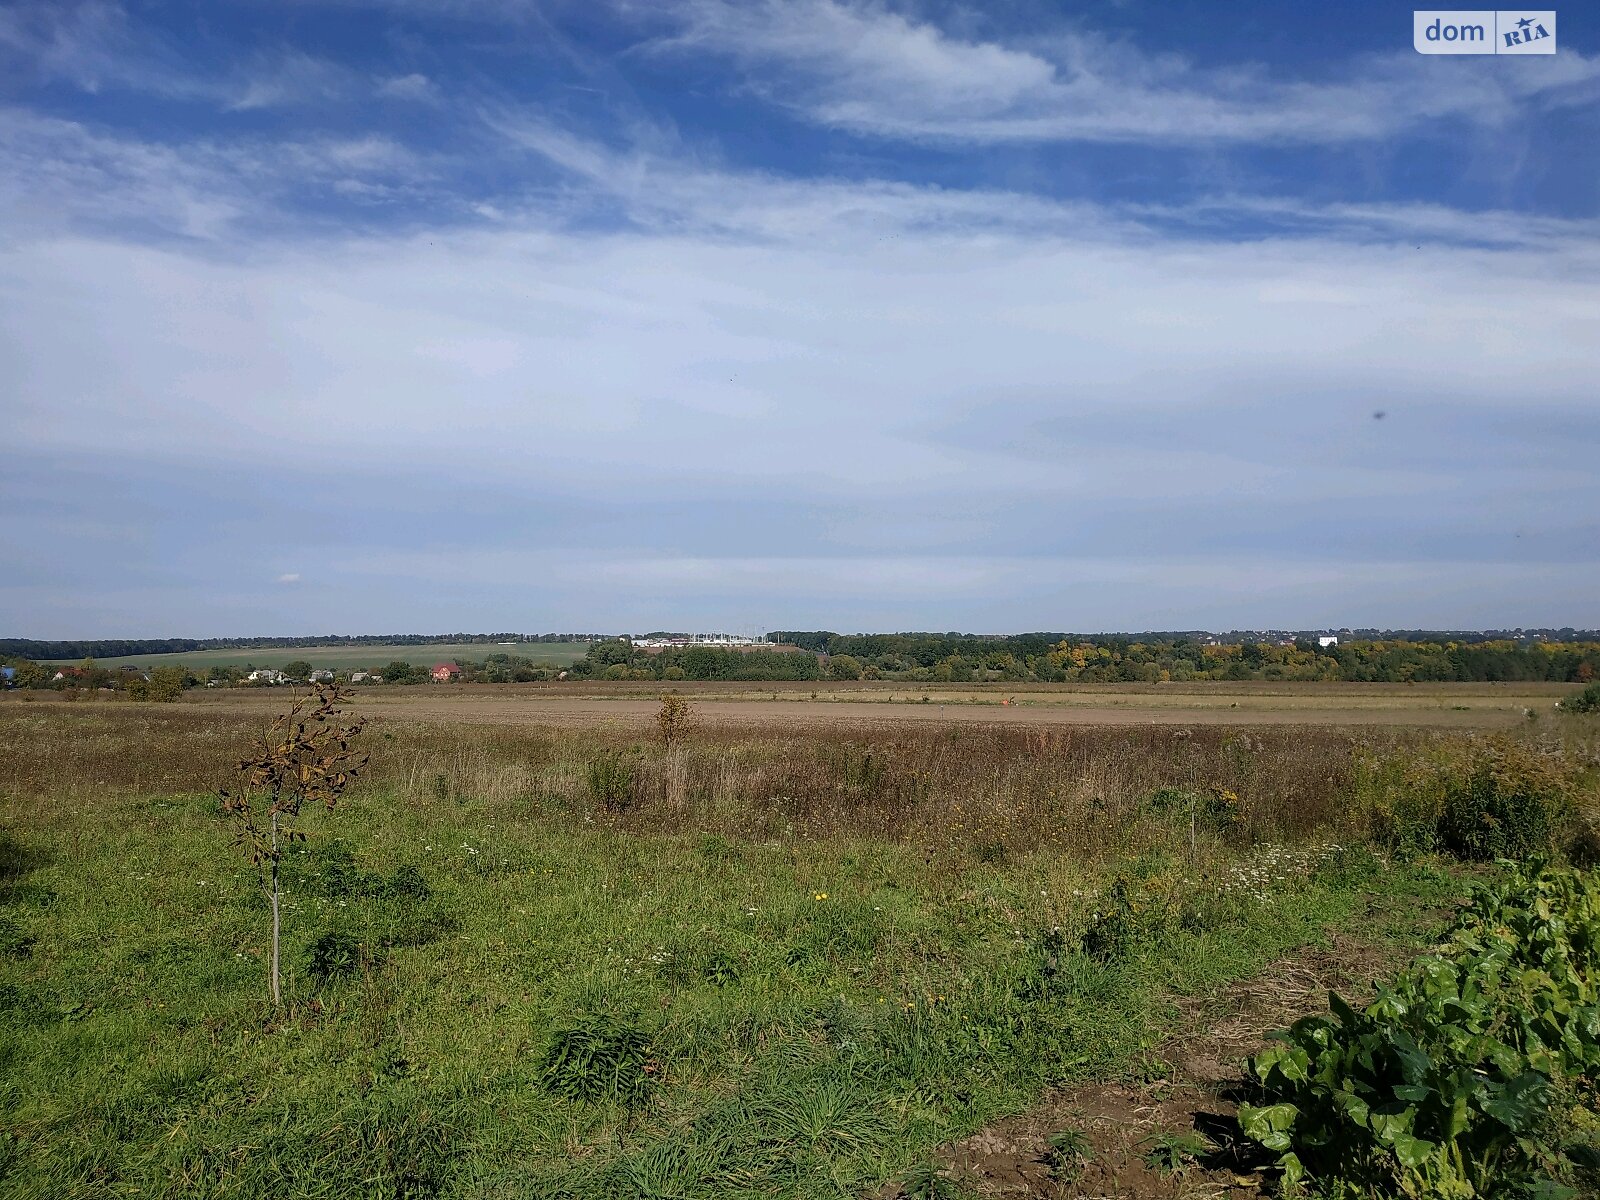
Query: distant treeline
[620, 659]
[119, 647]
[1056, 658]
[934, 646]
[921, 658]
[924, 649]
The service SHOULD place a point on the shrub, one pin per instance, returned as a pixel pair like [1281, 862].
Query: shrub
[1586, 701]
[1487, 798]
[1504, 800]
[1215, 809]
[674, 719]
[1397, 798]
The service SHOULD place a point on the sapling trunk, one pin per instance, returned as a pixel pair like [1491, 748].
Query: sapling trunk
[277, 923]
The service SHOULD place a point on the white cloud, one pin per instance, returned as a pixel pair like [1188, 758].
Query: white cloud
[55, 174]
[736, 361]
[91, 45]
[286, 78]
[413, 87]
[676, 353]
[289, 577]
[868, 69]
[94, 46]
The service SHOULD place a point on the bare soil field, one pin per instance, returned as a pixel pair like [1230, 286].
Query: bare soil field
[1443, 706]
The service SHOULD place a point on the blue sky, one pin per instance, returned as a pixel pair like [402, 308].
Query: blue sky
[438, 315]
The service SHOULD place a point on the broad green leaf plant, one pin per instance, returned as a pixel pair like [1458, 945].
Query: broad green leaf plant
[1452, 1082]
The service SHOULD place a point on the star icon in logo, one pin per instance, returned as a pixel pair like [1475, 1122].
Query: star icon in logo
[1524, 23]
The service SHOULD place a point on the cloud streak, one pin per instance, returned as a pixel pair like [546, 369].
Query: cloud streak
[871, 70]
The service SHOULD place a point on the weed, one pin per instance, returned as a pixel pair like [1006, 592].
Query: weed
[926, 1181]
[990, 853]
[334, 956]
[611, 782]
[1066, 1154]
[674, 719]
[1130, 914]
[1170, 1152]
[601, 1060]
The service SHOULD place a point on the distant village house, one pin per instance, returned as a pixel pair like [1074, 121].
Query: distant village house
[444, 672]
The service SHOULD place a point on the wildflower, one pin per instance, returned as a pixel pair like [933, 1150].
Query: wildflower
[820, 896]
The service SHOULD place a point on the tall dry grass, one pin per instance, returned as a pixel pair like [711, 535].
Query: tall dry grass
[990, 789]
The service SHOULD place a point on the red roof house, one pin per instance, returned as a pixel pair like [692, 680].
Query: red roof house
[445, 672]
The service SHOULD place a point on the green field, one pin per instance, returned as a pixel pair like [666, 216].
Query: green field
[340, 658]
[556, 964]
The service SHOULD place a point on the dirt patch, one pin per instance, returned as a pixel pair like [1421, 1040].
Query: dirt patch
[1127, 1129]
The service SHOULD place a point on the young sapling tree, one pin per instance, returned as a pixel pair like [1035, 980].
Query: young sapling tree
[303, 758]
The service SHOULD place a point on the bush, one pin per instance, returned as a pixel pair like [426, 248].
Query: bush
[1504, 800]
[1491, 797]
[1586, 701]
[1397, 798]
[674, 719]
[1215, 808]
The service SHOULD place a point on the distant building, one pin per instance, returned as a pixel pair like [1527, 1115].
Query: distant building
[322, 675]
[1325, 642]
[444, 672]
[717, 641]
[361, 676]
[266, 675]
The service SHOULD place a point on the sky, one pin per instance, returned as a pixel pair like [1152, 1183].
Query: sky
[556, 315]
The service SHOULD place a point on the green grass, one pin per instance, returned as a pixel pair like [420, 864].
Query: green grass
[341, 658]
[815, 1016]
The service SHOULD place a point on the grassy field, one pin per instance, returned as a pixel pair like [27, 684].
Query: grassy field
[812, 953]
[340, 658]
[584, 702]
